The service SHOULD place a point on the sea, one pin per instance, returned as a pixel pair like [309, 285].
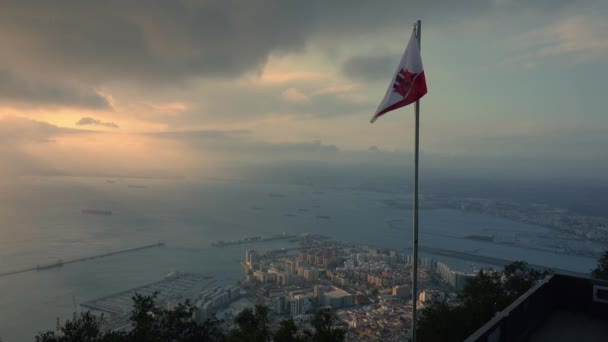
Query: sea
[42, 221]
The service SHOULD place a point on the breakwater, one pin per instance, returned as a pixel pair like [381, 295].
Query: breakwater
[61, 262]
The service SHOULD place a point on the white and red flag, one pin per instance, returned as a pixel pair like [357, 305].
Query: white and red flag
[408, 84]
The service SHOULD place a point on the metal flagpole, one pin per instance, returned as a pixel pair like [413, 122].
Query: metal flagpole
[415, 213]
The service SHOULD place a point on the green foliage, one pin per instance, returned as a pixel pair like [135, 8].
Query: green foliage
[252, 325]
[85, 329]
[324, 324]
[601, 271]
[287, 332]
[150, 324]
[145, 316]
[484, 295]
[442, 322]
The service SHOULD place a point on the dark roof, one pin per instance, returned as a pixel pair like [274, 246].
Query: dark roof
[559, 308]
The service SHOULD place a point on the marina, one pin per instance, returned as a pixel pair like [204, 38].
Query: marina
[116, 308]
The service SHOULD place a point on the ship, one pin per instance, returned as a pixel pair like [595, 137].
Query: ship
[96, 212]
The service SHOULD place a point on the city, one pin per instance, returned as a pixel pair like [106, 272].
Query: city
[303, 171]
[369, 288]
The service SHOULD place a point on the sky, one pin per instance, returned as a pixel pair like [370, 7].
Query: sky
[157, 88]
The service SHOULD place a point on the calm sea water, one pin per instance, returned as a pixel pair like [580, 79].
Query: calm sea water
[41, 222]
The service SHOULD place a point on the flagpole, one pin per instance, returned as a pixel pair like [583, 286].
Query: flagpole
[415, 211]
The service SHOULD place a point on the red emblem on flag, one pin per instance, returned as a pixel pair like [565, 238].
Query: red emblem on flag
[403, 82]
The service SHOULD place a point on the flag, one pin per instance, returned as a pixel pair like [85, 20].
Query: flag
[408, 84]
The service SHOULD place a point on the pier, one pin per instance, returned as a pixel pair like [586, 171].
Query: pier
[61, 263]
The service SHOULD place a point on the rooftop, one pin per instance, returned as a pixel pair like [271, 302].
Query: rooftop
[559, 308]
[337, 294]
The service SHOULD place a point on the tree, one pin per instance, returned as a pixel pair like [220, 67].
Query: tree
[324, 324]
[485, 294]
[150, 324]
[601, 271]
[252, 325]
[145, 318]
[85, 329]
[287, 332]
[518, 277]
[442, 322]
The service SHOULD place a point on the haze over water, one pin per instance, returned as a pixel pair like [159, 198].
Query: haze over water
[43, 222]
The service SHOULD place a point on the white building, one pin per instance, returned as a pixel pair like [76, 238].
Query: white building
[300, 304]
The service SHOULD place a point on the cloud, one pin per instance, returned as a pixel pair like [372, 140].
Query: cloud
[181, 39]
[246, 103]
[370, 68]
[580, 38]
[16, 134]
[294, 95]
[296, 147]
[208, 134]
[241, 143]
[88, 121]
[41, 93]
[19, 130]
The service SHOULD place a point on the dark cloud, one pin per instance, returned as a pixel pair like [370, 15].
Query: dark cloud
[179, 39]
[370, 68]
[14, 89]
[88, 121]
